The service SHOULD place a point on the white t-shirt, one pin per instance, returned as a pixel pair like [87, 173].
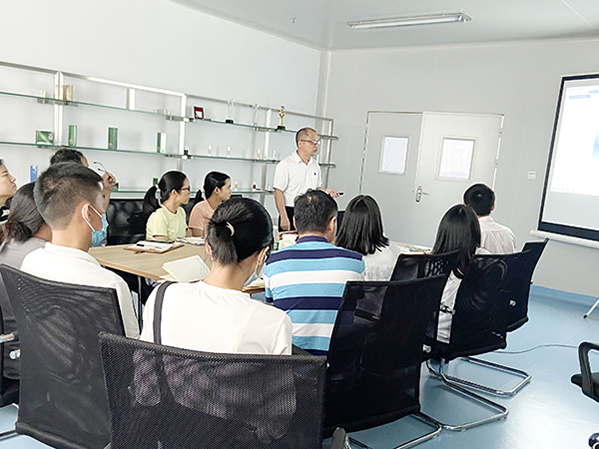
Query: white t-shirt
[203, 317]
[495, 238]
[71, 265]
[379, 266]
[294, 178]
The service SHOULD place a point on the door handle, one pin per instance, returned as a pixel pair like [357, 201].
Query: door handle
[419, 193]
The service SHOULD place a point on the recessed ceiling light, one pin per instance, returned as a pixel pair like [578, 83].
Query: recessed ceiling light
[409, 21]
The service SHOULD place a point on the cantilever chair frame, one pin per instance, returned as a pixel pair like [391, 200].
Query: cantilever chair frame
[525, 377]
[435, 425]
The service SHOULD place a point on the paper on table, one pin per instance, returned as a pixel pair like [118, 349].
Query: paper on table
[189, 269]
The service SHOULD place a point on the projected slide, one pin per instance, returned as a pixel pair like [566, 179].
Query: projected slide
[576, 163]
[571, 195]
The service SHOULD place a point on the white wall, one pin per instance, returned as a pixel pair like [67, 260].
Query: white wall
[520, 80]
[154, 43]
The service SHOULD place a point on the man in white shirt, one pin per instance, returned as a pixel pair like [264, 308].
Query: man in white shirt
[69, 198]
[296, 174]
[495, 238]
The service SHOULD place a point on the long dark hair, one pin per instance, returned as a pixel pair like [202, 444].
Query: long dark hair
[24, 220]
[362, 227]
[458, 230]
[171, 180]
[239, 228]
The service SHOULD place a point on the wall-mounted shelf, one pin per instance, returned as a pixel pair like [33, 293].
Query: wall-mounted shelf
[174, 107]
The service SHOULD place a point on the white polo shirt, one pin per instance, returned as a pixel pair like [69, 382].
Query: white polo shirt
[71, 265]
[204, 317]
[495, 238]
[294, 178]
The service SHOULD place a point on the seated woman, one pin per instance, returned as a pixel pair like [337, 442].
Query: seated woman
[362, 231]
[458, 230]
[217, 188]
[168, 220]
[7, 190]
[214, 315]
[25, 231]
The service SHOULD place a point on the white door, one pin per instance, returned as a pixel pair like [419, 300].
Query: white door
[453, 151]
[383, 178]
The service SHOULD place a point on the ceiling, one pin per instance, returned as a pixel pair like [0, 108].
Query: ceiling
[323, 23]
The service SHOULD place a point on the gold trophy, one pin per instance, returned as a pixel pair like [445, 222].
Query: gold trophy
[281, 114]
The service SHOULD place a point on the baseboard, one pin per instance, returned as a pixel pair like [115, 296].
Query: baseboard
[560, 295]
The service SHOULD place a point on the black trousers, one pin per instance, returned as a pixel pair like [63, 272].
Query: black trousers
[289, 211]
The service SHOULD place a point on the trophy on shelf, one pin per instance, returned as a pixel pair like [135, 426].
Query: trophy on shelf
[229, 118]
[281, 114]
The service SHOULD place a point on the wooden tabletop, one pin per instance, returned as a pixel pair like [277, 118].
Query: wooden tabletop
[145, 264]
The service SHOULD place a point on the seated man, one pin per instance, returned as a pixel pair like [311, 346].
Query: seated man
[495, 238]
[69, 198]
[307, 279]
[100, 237]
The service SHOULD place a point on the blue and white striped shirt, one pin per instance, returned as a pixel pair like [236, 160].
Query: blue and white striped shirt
[307, 280]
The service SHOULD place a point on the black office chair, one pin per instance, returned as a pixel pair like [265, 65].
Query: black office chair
[63, 396]
[520, 290]
[588, 380]
[126, 221]
[479, 325]
[375, 354]
[9, 387]
[168, 397]
[416, 266]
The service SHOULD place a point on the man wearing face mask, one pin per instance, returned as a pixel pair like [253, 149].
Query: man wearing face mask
[69, 198]
[99, 238]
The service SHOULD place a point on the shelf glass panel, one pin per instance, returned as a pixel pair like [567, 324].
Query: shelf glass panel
[48, 100]
[27, 144]
[244, 192]
[232, 158]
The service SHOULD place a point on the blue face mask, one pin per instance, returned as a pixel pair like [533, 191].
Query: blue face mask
[99, 237]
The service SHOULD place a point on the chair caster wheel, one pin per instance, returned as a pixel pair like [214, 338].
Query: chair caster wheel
[594, 441]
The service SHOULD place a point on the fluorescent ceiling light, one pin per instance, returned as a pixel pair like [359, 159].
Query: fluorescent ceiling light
[408, 21]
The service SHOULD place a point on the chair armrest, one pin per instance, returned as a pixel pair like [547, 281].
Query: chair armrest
[16, 354]
[585, 367]
[5, 338]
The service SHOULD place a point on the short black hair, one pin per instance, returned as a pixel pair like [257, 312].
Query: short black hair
[302, 134]
[313, 210]
[481, 198]
[238, 229]
[59, 190]
[362, 226]
[66, 155]
[459, 230]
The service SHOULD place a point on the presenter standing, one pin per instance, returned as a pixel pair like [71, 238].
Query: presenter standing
[296, 174]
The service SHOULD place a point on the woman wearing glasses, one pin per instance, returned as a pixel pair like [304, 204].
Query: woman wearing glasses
[168, 221]
[296, 174]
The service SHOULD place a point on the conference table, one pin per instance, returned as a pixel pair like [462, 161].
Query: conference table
[149, 265]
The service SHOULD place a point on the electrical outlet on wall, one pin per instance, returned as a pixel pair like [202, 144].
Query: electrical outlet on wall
[532, 175]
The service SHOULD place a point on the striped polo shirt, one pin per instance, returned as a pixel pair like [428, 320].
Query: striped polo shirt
[307, 280]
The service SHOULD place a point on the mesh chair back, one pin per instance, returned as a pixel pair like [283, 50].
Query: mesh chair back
[63, 395]
[9, 388]
[127, 223]
[481, 309]
[375, 352]
[521, 287]
[416, 266]
[171, 398]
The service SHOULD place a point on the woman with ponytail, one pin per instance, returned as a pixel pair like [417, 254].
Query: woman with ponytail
[215, 315]
[217, 188]
[24, 232]
[168, 219]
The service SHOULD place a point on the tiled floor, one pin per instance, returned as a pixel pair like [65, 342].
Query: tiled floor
[550, 412]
